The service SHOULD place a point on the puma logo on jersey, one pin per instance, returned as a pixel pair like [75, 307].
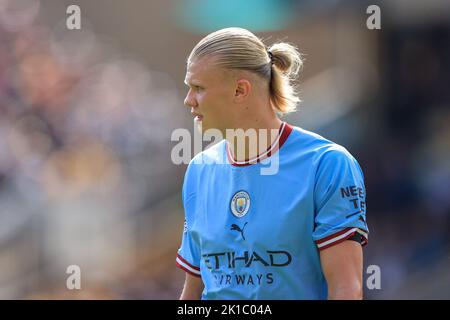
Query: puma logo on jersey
[238, 229]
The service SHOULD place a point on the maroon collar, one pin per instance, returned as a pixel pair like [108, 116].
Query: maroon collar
[283, 133]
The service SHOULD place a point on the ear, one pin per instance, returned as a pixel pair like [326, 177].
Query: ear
[243, 88]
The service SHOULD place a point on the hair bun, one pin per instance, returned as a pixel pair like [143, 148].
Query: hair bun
[286, 58]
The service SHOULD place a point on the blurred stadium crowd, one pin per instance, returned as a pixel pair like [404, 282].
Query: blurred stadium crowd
[83, 153]
[85, 170]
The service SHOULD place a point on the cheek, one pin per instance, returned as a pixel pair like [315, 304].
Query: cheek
[220, 99]
[214, 103]
[206, 101]
[200, 97]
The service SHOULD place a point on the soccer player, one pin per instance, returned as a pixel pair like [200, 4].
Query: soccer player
[294, 234]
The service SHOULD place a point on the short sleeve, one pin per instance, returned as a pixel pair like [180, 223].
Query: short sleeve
[188, 256]
[339, 199]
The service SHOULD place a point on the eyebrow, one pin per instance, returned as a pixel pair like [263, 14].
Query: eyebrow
[191, 83]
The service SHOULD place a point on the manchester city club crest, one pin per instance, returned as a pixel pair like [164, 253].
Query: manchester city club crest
[240, 204]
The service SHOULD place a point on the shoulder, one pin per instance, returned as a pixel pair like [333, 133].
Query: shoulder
[320, 147]
[197, 166]
[213, 155]
[323, 154]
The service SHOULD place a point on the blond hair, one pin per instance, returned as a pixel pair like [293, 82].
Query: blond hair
[239, 49]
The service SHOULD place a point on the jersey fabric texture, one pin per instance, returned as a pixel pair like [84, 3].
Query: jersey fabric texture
[255, 236]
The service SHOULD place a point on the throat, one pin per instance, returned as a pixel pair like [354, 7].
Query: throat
[251, 144]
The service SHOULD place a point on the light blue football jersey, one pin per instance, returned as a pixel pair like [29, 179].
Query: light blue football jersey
[255, 236]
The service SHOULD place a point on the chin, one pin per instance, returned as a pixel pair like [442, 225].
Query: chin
[200, 126]
[204, 127]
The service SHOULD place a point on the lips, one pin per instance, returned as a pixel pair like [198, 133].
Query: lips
[197, 117]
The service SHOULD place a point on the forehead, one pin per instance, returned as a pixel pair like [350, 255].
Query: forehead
[204, 70]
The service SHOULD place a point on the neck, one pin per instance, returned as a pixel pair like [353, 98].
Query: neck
[257, 134]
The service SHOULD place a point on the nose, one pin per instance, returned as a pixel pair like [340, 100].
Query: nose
[190, 101]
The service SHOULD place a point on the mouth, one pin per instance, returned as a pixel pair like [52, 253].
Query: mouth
[197, 117]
